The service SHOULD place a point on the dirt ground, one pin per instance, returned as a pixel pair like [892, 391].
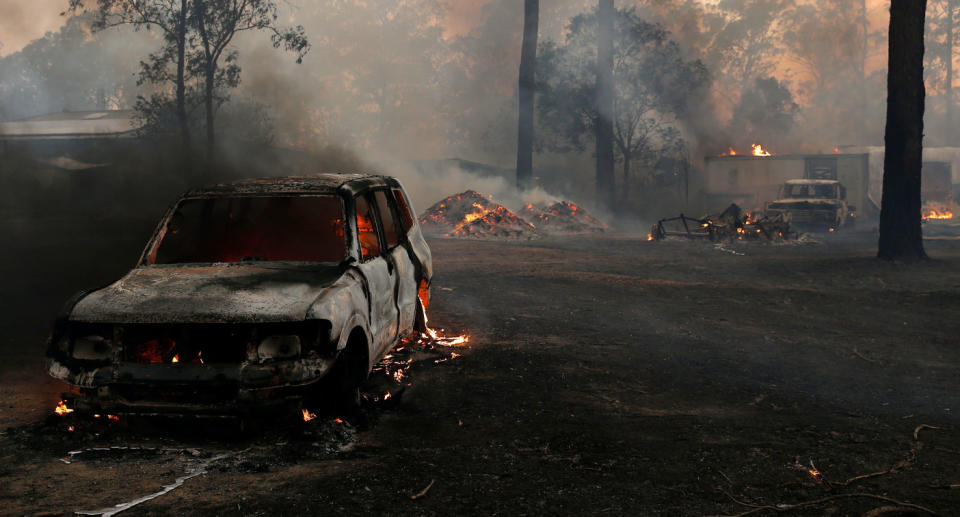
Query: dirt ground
[605, 375]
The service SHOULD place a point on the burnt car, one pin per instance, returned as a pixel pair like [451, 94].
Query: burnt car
[251, 295]
[814, 204]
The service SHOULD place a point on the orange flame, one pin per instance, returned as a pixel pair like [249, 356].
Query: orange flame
[758, 150]
[176, 359]
[62, 408]
[473, 216]
[308, 416]
[437, 336]
[113, 418]
[933, 213]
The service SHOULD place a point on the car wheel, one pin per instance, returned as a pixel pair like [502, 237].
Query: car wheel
[348, 374]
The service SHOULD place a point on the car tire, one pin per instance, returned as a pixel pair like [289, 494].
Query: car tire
[349, 372]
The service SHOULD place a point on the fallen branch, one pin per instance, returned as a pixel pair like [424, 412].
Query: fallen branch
[423, 492]
[911, 459]
[781, 508]
[861, 356]
[885, 509]
[191, 473]
[916, 432]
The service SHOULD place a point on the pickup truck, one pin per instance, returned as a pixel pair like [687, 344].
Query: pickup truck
[813, 204]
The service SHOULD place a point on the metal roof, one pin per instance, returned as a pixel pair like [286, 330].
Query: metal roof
[73, 125]
[812, 182]
[314, 184]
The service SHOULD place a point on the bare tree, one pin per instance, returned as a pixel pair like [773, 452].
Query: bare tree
[528, 66]
[606, 196]
[217, 23]
[940, 41]
[170, 16]
[901, 237]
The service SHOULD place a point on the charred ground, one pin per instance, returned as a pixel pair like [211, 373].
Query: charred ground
[605, 375]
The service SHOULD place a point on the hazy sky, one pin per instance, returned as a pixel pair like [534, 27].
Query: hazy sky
[22, 21]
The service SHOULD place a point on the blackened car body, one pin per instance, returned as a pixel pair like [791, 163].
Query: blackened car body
[250, 294]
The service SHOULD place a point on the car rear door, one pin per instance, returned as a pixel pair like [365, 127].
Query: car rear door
[379, 272]
[404, 273]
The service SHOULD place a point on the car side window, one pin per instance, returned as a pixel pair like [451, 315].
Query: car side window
[367, 229]
[388, 219]
[403, 206]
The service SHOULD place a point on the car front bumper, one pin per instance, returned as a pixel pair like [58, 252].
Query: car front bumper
[199, 389]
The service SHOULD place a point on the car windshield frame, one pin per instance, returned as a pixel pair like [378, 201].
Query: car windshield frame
[149, 255]
[810, 191]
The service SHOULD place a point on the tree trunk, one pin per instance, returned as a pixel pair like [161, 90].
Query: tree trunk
[626, 177]
[865, 27]
[951, 140]
[901, 237]
[210, 72]
[606, 199]
[528, 64]
[181, 81]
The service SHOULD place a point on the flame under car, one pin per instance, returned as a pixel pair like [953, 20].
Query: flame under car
[251, 295]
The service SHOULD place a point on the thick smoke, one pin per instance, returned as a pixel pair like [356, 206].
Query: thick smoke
[391, 83]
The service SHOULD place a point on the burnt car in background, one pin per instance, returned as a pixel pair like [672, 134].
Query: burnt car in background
[813, 204]
[251, 295]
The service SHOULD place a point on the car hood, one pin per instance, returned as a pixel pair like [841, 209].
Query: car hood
[807, 201]
[208, 294]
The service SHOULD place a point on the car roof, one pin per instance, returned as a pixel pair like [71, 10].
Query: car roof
[812, 182]
[324, 183]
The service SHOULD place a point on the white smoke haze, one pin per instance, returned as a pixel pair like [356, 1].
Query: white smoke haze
[427, 187]
[395, 82]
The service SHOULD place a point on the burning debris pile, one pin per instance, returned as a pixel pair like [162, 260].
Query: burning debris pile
[732, 224]
[471, 215]
[563, 217]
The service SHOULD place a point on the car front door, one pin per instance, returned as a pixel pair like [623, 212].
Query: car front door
[379, 273]
[398, 256]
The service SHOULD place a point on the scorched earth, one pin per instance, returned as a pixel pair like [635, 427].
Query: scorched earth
[604, 375]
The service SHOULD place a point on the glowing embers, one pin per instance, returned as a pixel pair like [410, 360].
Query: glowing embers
[437, 337]
[563, 217]
[393, 372]
[732, 224]
[369, 243]
[185, 344]
[62, 408]
[162, 350]
[471, 215]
